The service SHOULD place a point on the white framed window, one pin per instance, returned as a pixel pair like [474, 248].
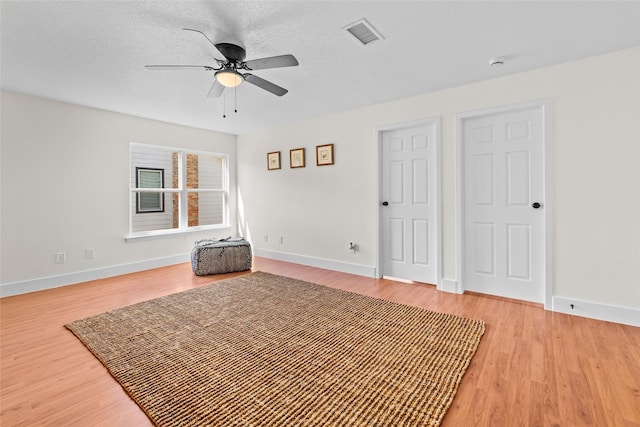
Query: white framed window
[174, 190]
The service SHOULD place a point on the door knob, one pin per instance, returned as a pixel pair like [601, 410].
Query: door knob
[385, 203]
[536, 205]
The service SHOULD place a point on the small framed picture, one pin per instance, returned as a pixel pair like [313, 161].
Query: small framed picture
[273, 160]
[296, 158]
[324, 155]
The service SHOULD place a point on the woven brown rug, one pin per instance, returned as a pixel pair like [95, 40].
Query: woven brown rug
[265, 350]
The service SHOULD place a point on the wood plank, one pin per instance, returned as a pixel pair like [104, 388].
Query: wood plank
[532, 367]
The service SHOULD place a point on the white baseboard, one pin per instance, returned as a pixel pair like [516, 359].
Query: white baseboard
[450, 286]
[592, 310]
[344, 267]
[33, 285]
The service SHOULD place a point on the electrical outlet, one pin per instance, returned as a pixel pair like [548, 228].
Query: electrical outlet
[281, 239]
[90, 253]
[266, 238]
[61, 258]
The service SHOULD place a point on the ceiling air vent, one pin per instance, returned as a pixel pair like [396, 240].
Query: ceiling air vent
[363, 31]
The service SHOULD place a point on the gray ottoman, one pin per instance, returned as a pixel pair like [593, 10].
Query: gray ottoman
[220, 256]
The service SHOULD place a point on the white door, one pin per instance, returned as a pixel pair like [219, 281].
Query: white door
[409, 203]
[504, 222]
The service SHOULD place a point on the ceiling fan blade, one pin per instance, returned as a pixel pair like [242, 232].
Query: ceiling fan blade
[177, 67]
[266, 85]
[272, 62]
[216, 89]
[205, 36]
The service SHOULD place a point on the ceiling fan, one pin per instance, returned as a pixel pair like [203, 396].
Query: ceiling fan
[227, 71]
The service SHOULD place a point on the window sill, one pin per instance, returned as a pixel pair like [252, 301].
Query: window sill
[158, 234]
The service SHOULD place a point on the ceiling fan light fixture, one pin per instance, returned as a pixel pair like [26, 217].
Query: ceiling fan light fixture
[229, 78]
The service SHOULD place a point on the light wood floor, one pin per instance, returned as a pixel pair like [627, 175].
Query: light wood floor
[532, 368]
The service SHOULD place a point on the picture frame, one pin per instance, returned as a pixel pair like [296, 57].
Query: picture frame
[273, 160]
[296, 158]
[324, 155]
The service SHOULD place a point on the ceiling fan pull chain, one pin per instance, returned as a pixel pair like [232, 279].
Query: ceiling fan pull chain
[235, 95]
[224, 105]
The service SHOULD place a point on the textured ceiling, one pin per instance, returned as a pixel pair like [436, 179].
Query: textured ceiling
[93, 52]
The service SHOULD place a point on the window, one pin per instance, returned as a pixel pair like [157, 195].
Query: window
[176, 190]
[149, 178]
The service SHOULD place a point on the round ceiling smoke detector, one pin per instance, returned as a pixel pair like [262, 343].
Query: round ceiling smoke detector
[496, 62]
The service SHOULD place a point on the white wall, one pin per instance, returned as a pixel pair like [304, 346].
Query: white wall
[65, 188]
[596, 170]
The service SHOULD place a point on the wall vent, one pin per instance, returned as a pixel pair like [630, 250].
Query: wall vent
[363, 31]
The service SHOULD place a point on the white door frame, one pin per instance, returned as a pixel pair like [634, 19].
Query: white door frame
[435, 121]
[545, 105]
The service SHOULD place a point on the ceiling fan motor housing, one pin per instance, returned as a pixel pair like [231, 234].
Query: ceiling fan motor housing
[232, 52]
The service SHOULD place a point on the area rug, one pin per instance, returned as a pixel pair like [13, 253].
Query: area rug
[265, 350]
